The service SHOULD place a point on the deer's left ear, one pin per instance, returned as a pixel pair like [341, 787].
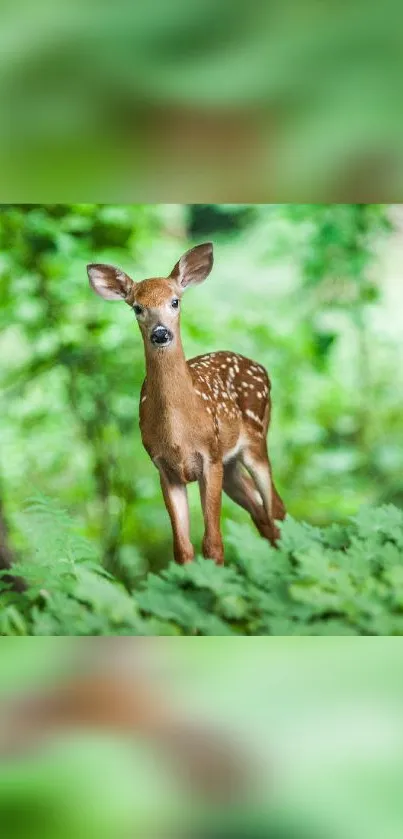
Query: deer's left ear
[194, 266]
[109, 282]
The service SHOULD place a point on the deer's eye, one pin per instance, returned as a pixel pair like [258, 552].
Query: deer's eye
[137, 309]
[175, 303]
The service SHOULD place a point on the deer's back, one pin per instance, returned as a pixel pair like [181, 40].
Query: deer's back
[234, 388]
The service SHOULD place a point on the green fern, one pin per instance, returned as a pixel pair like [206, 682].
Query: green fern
[341, 580]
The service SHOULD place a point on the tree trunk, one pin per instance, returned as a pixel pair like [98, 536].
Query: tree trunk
[6, 554]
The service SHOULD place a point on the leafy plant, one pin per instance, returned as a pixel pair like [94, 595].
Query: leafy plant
[346, 579]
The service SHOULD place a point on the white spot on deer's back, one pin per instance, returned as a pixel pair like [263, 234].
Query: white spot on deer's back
[253, 416]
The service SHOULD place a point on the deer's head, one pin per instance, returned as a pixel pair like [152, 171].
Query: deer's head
[155, 302]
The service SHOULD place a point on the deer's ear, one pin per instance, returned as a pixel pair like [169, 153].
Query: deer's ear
[194, 266]
[109, 282]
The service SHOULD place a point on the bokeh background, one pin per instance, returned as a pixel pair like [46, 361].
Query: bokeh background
[318, 721]
[313, 292]
[238, 101]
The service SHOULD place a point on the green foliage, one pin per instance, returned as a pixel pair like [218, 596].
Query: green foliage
[340, 580]
[69, 392]
[334, 329]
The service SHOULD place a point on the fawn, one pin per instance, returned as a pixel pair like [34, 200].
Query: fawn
[202, 420]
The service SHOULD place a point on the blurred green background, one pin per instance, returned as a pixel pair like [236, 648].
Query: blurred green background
[242, 100]
[311, 291]
[322, 718]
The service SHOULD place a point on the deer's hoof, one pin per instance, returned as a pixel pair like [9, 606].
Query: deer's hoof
[214, 551]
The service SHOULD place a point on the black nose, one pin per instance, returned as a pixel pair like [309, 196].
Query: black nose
[161, 335]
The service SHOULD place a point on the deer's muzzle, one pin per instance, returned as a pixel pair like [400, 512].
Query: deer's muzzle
[161, 336]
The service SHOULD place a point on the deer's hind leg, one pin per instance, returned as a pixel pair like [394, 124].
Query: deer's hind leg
[278, 506]
[241, 489]
[256, 460]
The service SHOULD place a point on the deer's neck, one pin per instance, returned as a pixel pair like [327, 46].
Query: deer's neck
[168, 378]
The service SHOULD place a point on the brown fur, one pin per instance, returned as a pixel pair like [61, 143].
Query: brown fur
[202, 420]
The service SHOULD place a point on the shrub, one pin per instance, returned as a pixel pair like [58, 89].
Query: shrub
[346, 579]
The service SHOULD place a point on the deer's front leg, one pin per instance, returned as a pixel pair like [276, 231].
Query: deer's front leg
[210, 494]
[176, 502]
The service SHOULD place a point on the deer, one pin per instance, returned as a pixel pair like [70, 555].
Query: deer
[204, 419]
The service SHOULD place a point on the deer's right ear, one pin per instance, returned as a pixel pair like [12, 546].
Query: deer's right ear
[109, 282]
